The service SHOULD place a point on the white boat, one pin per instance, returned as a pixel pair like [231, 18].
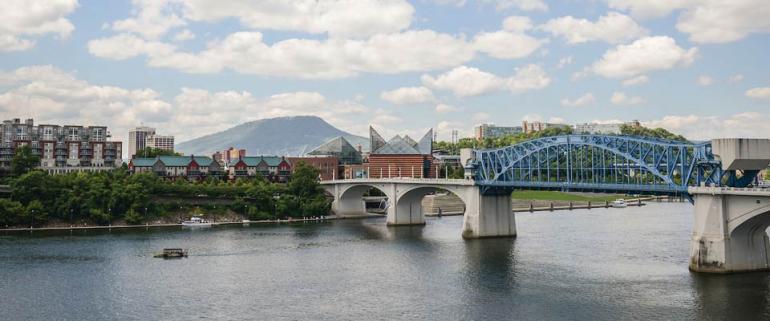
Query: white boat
[196, 221]
[619, 203]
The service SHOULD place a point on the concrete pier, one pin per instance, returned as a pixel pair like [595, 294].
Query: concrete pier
[730, 230]
[489, 216]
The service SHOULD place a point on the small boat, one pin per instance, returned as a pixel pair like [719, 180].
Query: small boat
[196, 221]
[170, 253]
[619, 203]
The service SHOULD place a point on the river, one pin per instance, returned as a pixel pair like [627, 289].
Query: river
[600, 264]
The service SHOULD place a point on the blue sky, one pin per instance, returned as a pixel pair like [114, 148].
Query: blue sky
[193, 67]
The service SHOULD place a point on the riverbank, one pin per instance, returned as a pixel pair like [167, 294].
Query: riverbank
[552, 205]
[243, 222]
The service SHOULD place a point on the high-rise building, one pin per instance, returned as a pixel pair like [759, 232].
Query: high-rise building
[164, 142]
[491, 131]
[137, 139]
[60, 148]
[227, 155]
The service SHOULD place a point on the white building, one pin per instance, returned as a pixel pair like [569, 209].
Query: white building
[595, 128]
[137, 139]
[163, 142]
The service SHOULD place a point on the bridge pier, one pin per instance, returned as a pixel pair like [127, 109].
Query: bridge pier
[405, 209]
[488, 216]
[729, 231]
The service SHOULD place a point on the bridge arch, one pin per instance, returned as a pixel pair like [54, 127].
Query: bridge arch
[408, 203]
[349, 200]
[598, 162]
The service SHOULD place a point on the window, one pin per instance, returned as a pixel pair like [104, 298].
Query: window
[73, 133]
[98, 134]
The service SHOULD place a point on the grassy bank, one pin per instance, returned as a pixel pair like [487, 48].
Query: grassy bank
[563, 196]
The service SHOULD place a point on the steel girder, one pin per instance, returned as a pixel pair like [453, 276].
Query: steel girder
[599, 162]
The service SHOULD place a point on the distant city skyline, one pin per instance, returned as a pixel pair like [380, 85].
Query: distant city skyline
[195, 67]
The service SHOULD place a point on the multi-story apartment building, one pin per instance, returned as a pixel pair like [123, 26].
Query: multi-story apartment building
[164, 142]
[491, 131]
[594, 128]
[536, 126]
[61, 148]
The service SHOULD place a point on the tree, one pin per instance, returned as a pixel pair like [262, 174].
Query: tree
[304, 181]
[649, 132]
[35, 213]
[149, 152]
[24, 161]
[11, 212]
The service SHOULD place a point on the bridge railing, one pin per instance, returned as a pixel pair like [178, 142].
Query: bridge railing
[442, 181]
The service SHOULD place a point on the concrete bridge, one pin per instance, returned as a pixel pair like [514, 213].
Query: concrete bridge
[731, 217]
[486, 214]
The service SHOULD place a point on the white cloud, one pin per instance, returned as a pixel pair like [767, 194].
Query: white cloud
[706, 21]
[408, 95]
[444, 130]
[526, 5]
[22, 19]
[517, 23]
[468, 81]
[734, 79]
[152, 18]
[612, 28]
[506, 45]
[124, 46]
[648, 8]
[444, 108]
[643, 56]
[620, 98]
[586, 99]
[184, 35]
[759, 93]
[638, 80]
[704, 80]
[721, 21]
[342, 18]
[464, 81]
[247, 53]
[746, 125]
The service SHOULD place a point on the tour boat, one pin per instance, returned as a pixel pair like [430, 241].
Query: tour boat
[619, 203]
[196, 221]
[172, 253]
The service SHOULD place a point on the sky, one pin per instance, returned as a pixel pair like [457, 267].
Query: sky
[195, 67]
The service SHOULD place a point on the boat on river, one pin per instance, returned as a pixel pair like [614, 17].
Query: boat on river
[172, 253]
[196, 221]
[619, 203]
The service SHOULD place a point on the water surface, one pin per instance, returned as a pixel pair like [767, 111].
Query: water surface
[600, 264]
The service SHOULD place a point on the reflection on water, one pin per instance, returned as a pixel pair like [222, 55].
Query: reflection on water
[601, 264]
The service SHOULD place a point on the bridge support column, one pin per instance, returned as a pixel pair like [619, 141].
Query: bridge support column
[405, 209]
[729, 231]
[488, 216]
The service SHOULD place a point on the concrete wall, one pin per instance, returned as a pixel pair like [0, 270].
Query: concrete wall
[730, 230]
[742, 153]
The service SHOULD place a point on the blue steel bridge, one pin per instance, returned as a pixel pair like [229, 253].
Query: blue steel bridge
[602, 163]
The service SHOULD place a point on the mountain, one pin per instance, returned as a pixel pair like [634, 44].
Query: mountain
[291, 136]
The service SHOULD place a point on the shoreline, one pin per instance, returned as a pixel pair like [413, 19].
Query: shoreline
[109, 227]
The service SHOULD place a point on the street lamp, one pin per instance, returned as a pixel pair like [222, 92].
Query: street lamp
[32, 218]
[276, 197]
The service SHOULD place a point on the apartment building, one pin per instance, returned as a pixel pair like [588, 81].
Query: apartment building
[61, 148]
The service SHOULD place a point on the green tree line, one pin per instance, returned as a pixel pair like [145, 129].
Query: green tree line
[38, 198]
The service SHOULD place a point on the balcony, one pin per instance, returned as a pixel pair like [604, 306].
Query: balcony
[242, 173]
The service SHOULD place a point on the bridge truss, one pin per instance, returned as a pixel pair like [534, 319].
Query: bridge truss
[599, 163]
